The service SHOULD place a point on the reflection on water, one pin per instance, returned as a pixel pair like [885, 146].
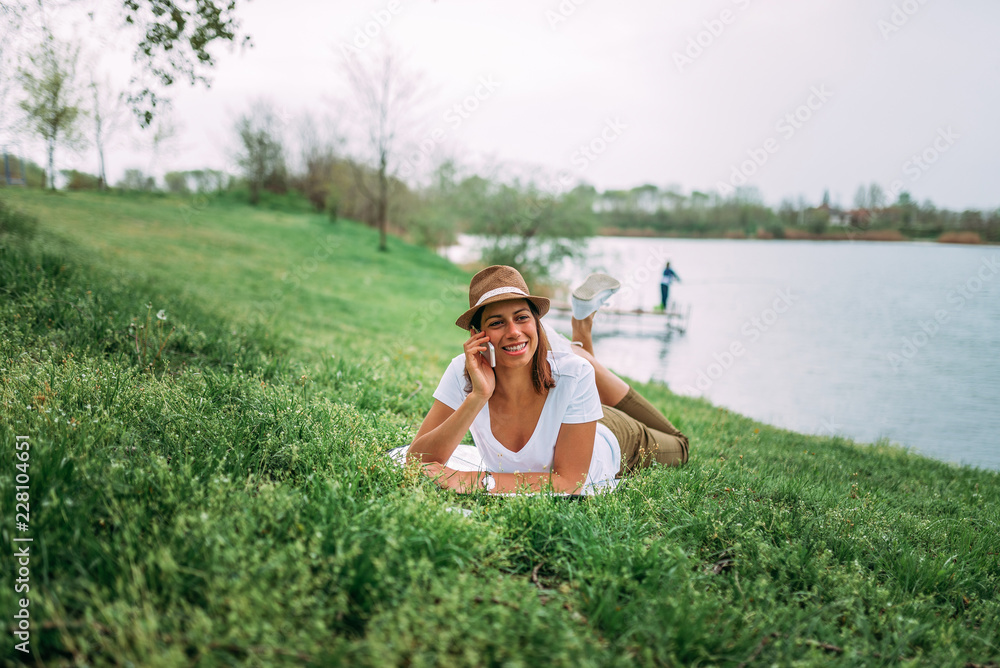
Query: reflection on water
[866, 340]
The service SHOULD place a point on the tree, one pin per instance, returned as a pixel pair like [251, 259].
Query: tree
[861, 198]
[646, 197]
[876, 196]
[174, 38]
[10, 22]
[162, 138]
[817, 220]
[177, 182]
[385, 94]
[787, 213]
[261, 155]
[525, 225]
[209, 180]
[107, 112]
[77, 180]
[434, 221]
[135, 180]
[319, 143]
[52, 102]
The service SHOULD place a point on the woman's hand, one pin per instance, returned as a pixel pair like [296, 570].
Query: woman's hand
[448, 478]
[481, 374]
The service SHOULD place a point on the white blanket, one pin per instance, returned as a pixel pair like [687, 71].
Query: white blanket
[467, 458]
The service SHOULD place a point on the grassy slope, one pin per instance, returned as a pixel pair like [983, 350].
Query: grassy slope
[227, 500]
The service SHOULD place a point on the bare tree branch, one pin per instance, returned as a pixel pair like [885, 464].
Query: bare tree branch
[385, 96]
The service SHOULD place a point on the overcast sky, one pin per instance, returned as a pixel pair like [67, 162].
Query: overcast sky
[682, 93]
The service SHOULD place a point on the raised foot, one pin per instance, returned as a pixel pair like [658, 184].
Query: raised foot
[592, 294]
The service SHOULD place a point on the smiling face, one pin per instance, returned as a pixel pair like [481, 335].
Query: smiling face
[512, 330]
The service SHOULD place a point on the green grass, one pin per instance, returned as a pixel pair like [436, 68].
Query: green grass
[211, 489]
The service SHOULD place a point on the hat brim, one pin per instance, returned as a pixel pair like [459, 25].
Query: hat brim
[541, 303]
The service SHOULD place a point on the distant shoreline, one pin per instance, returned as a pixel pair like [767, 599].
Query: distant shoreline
[848, 234]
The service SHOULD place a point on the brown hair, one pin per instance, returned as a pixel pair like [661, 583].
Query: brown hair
[541, 370]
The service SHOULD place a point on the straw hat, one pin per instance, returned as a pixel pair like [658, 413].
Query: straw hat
[495, 284]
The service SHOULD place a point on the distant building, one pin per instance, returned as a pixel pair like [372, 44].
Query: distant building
[859, 217]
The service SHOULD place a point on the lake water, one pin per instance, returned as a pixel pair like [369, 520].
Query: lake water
[862, 339]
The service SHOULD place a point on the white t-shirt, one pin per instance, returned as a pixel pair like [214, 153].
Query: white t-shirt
[573, 400]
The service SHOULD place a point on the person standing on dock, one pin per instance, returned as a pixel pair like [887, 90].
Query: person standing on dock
[669, 275]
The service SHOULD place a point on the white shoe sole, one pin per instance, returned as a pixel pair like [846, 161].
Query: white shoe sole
[592, 294]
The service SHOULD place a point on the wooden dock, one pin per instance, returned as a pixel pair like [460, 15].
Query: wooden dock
[674, 318]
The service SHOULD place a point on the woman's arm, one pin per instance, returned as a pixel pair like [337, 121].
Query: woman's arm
[570, 465]
[443, 429]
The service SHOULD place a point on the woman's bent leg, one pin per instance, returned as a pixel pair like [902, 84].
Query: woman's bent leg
[647, 434]
[672, 444]
[610, 387]
[641, 445]
[637, 406]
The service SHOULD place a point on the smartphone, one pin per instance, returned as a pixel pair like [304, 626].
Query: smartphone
[491, 352]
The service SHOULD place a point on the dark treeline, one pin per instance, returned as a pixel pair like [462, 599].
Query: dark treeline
[525, 221]
[648, 210]
[529, 221]
[517, 211]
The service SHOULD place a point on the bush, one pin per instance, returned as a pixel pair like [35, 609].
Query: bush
[136, 180]
[776, 230]
[177, 182]
[955, 237]
[316, 182]
[76, 180]
[333, 206]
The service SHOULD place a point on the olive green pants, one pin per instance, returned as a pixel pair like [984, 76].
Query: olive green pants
[643, 434]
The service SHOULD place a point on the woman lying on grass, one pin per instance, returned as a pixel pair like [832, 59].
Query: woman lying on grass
[541, 419]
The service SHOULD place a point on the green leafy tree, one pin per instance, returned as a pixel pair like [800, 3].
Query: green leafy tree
[52, 100]
[173, 38]
[135, 180]
[177, 182]
[817, 220]
[77, 180]
[526, 226]
[433, 221]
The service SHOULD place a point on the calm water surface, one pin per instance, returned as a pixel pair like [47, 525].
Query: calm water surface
[865, 340]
